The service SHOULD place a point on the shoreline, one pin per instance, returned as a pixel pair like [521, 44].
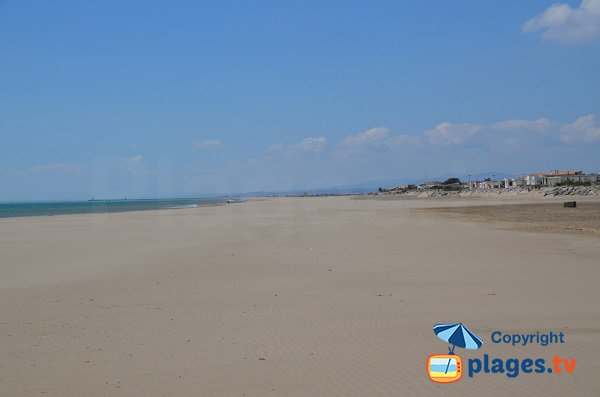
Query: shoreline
[191, 203]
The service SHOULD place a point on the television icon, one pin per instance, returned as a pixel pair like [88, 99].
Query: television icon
[444, 368]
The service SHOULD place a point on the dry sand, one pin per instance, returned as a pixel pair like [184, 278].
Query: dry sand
[285, 297]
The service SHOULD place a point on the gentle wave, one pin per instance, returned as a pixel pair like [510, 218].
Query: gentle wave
[185, 206]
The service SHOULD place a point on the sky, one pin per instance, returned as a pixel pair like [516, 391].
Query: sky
[180, 99]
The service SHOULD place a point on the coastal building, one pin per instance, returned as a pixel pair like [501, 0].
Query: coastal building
[534, 179]
[488, 184]
[510, 183]
[592, 178]
[553, 180]
[555, 177]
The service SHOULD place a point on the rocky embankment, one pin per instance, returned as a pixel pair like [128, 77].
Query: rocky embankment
[554, 191]
[572, 191]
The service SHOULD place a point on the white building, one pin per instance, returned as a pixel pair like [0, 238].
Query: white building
[534, 179]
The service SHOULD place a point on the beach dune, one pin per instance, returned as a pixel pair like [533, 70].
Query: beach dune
[328, 296]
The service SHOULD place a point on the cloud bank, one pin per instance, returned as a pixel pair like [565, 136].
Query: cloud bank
[372, 136]
[451, 134]
[308, 145]
[375, 138]
[541, 132]
[314, 145]
[562, 23]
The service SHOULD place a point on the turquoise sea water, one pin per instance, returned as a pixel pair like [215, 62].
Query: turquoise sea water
[8, 210]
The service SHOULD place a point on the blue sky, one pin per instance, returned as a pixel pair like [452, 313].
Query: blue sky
[148, 98]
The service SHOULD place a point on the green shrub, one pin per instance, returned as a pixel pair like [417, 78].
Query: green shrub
[574, 183]
[450, 181]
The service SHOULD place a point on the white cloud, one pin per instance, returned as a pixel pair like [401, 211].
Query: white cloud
[207, 143]
[541, 125]
[520, 138]
[134, 159]
[59, 168]
[374, 140]
[275, 148]
[369, 137]
[307, 145]
[314, 145]
[510, 132]
[582, 130]
[513, 132]
[562, 23]
[451, 134]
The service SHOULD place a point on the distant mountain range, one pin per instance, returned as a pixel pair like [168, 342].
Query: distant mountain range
[372, 186]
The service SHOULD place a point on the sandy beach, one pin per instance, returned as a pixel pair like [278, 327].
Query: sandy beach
[324, 296]
[533, 216]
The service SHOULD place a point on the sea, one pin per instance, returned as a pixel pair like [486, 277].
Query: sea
[9, 210]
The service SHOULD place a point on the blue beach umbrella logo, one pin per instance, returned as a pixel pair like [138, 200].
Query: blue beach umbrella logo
[457, 335]
[447, 368]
